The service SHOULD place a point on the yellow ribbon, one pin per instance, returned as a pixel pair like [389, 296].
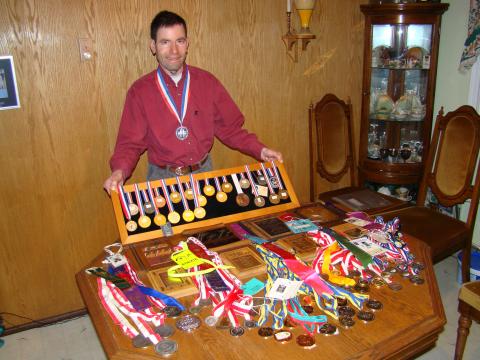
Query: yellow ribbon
[332, 277]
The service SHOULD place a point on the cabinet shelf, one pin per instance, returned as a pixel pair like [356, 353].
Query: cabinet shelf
[393, 119]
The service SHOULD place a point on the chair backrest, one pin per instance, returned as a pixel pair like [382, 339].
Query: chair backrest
[331, 141]
[450, 169]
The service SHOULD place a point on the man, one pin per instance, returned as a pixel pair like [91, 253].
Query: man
[175, 112]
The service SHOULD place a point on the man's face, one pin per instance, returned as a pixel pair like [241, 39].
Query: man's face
[170, 47]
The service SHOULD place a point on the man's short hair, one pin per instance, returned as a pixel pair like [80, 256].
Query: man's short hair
[165, 19]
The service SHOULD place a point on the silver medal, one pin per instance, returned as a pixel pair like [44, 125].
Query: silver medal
[181, 133]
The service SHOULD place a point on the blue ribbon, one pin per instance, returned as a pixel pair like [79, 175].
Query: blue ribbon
[167, 300]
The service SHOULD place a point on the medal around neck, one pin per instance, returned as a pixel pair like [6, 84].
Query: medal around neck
[181, 133]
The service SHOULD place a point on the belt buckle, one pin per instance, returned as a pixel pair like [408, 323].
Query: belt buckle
[182, 170]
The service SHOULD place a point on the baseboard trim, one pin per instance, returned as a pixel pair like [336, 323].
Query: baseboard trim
[44, 322]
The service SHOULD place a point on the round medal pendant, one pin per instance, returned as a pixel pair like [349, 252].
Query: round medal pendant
[274, 199]
[166, 348]
[175, 197]
[160, 220]
[188, 215]
[160, 201]
[148, 207]
[181, 133]
[283, 194]
[173, 217]
[221, 196]
[244, 183]
[283, 336]
[273, 181]
[141, 341]
[305, 340]
[131, 226]
[208, 190]
[144, 221]
[227, 187]
[188, 323]
[259, 201]
[199, 212]
[189, 194]
[202, 200]
[133, 208]
[242, 200]
[261, 180]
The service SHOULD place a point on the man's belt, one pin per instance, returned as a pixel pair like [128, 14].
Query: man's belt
[185, 170]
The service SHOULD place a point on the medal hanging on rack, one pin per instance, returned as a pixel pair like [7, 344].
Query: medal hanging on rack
[174, 195]
[283, 193]
[144, 221]
[258, 201]
[221, 196]
[181, 132]
[130, 224]
[159, 199]
[147, 203]
[202, 200]
[244, 183]
[261, 178]
[187, 214]
[173, 216]
[158, 219]
[132, 207]
[208, 189]
[198, 211]
[188, 191]
[226, 186]
[273, 197]
[242, 199]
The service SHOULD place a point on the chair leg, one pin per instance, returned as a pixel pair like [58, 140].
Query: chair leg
[466, 254]
[464, 323]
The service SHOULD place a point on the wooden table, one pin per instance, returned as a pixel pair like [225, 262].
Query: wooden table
[409, 324]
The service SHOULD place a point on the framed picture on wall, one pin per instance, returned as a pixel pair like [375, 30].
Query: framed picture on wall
[8, 84]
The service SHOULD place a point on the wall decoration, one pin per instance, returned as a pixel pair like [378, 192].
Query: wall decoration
[8, 84]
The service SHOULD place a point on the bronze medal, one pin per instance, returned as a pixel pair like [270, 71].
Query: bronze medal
[244, 183]
[199, 212]
[144, 221]
[131, 226]
[283, 194]
[237, 331]
[148, 207]
[160, 201]
[366, 316]
[259, 201]
[283, 336]
[227, 187]
[175, 197]
[265, 332]
[346, 311]
[305, 340]
[188, 215]
[221, 196]
[160, 220]
[242, 200]
[328, 329]
[189, 194]
[173, 217]
[202, 200]
[374, 304]
[346, 321]
[133, 208]
[274, 199]
[208, 190]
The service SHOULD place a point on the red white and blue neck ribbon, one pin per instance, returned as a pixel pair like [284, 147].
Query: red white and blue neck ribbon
[124, 202]
[167, 196]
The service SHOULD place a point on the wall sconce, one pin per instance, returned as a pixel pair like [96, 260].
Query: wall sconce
[291, 38]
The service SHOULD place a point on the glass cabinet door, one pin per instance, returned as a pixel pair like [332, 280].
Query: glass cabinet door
[400, 63]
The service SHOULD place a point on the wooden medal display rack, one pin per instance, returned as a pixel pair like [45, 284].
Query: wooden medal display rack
[217, 213]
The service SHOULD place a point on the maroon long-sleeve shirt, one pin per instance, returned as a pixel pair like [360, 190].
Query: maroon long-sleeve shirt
[147, 123]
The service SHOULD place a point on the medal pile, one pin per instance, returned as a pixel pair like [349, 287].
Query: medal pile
[139, 311]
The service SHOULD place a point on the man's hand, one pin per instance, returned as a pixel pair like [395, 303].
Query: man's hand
[270, 155]
[113, 181]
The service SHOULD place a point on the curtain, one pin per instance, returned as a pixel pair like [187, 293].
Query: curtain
[471, 48]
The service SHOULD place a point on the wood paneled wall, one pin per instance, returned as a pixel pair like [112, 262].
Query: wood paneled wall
[55, 148]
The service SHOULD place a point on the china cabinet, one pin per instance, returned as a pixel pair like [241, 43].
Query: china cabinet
[400, 63]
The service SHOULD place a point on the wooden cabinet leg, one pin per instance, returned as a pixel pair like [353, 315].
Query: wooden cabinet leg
[464, 323]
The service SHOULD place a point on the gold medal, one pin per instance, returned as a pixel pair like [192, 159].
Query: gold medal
[242, 200]
[160, 201]
[131, 226]
[148, 207]
[199, 212]
[274, 198]
[209, 190]
[189, 194]
[160, 220]
[227, 187]
[133, 208]
[175, 197]
[283, 194]
[259, 201]
[244, 183]
[173, 217]
[188, 215]
[202, 200]
[144, 221]
[221, 196]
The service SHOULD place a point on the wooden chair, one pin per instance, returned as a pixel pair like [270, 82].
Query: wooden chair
[332, 156]
[469, 308]
[450, 174]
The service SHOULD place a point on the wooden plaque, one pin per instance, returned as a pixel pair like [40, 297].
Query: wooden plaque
[216, 212]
